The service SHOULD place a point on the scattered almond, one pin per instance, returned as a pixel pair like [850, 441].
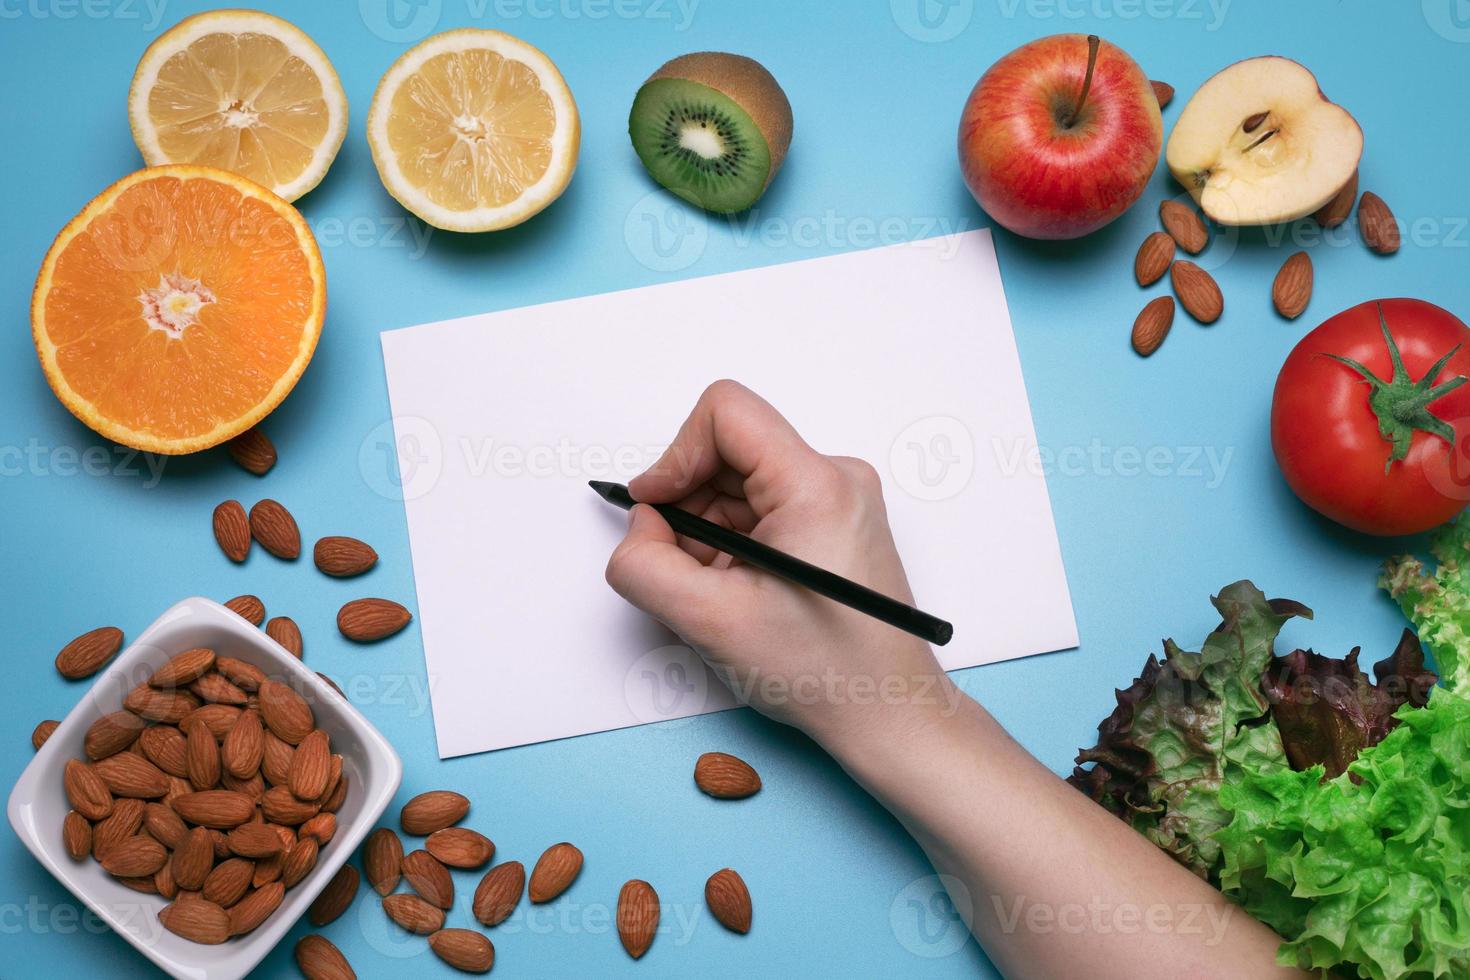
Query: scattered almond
[557, 867]
[382, 860]
[463, 949]
[429, 878]
[285, 712]
[725, 776]
[1292, 289]
[1197, 291]
[432, 811]
[1152, 325]
[460, 847]
[1336, 211]
[318, 959]
[728, 900]
[86, 654]
[1377, 225]
[76, 834]
[232, 530]
[248, 608]
[1164, 92]
[197, 920]
[413, 913]
[638, 915]
[1183, 224]
[112, 733]
[343, 557]
[336, 897]
[248, 913]
[499, 892]
[43, 731]
[365, 620]
[1153, 258]
[283, 630]
[253, 451]
[273, 526]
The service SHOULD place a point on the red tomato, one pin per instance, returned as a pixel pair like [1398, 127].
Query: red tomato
[1390, 455]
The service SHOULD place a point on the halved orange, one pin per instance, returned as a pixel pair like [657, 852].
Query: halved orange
[178, 308]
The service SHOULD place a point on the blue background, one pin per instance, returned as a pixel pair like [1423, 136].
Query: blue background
[877, 93]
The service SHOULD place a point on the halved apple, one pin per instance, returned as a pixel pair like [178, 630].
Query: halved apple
[1259, 144]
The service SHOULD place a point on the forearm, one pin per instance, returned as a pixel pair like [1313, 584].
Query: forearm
[1058, 886]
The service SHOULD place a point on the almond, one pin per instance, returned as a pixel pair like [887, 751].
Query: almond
[432, 811]
[728, 900]
[499, 892]
[285, 712]
[83, 656]
[218, 718]
[281, 806]
[331, 683]
[460, 847]
[248, 913]
[1152, 325]
[124, 822]
[232, 530]
[321, 828]
[256, 841]
[216, 689]
[318, 959]
[725, 776]
[1197, 292]
[253, 451]
[463, 949]
[221, 843]
[429, 878]
[413, 913]
[343, 557]
[310, 766]
[227, 883]
[366, 620]
[85, 790]
[203, 758]
[244, 746]
[252, 786]
[197, 920]
[169, 707]
[112, 733]
[134, 857]
[555, 870]
[143, 884]
[164, 746]
[1183, 224]
[164, 825]
[1153, 258]
[126, 774]
[1293, 286]
[298, 861]
[177, 787]
[334, 778]
[194, 859]
[334, 800]
[273, 526]
[1164, 92]
[76, 834]
[382, 860]
[248, 608]
[1377, 225]
[283, 630]
[336, 897]
[183, 668]
[1336, 211]
[638, 915]
[163, 881]
[219, 809]
[246, 677]
[43, 731]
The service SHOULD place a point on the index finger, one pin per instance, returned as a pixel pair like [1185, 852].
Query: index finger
[730, 426]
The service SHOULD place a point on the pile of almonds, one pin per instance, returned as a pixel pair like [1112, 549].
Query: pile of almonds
[212, 788]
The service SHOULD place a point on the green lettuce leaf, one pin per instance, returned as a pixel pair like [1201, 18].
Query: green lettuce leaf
[1438, 603]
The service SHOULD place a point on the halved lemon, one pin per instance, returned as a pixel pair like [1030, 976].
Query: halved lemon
[474, 130]
[243, 91]
[178, 308]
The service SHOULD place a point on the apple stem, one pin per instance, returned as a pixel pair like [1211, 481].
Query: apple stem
[1092, 43]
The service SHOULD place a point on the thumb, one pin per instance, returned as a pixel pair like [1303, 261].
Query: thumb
[650, 570]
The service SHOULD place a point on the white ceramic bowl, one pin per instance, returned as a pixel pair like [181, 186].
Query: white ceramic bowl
[38, 804]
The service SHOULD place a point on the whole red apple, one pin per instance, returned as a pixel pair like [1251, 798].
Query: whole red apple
[1060, 136]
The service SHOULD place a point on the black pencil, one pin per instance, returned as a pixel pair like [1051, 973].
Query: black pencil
[819, 580]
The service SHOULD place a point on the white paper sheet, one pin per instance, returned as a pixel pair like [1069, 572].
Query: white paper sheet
[901, 355]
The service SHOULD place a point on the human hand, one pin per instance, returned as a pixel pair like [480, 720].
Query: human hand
[793, 655]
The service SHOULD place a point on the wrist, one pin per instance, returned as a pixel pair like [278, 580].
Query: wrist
[872, 736]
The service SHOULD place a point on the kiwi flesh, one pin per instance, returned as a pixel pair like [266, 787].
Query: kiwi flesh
[713, 128]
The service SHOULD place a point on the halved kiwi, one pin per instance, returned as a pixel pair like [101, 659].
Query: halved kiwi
[713, 128]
